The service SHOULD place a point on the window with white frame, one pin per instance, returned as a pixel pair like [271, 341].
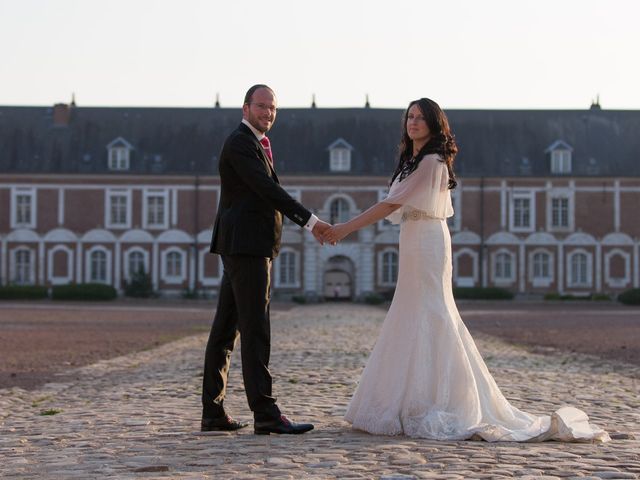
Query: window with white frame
[98, 266]
[579, 269]
[119, 154]
[287, 269]
[503, 267]
[541, 265]
[522, 214]
[174, 268]
[174, 264]
[136, 263]
[389, 267]
[155, 214]
[23, 213]
[455, 221]
[23, 270]
[385, 224]
[560, 212]
[340, 159]
[339, 211]
[118, 209]
[561, 161]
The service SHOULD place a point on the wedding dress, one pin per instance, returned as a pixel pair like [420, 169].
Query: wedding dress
[425, 377]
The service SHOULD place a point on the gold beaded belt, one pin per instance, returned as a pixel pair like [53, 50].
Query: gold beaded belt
[416, 215]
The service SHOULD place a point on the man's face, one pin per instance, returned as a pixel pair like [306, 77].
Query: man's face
[261, 111]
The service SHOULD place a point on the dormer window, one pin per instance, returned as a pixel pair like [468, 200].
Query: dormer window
[119, 154]
[340, 156]
[560, 157]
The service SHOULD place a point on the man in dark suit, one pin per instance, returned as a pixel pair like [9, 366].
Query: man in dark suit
[246, 235]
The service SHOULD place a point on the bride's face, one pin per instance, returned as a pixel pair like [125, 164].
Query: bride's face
[417, 128]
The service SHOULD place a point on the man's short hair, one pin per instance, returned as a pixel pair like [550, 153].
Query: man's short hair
[248, 96]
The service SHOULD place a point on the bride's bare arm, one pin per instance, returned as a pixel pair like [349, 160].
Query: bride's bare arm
[377, 212]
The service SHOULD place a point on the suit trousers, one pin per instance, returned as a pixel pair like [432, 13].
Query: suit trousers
[243, 310]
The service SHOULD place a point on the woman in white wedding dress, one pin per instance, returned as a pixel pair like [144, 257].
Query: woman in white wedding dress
[425, 377]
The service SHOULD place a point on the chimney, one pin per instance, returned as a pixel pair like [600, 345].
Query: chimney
[61, 115]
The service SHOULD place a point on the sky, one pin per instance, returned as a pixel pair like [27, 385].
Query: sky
[490, 54]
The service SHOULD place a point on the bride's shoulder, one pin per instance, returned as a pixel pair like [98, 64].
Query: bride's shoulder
[432, 159]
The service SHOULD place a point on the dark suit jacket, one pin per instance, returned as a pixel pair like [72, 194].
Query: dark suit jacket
[249, 219]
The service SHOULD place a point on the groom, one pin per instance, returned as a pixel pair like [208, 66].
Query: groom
[246, 235]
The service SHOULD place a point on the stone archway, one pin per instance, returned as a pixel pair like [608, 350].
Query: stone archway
[338, 279]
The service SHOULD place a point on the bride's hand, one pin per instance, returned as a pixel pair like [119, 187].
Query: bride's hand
[336, 233]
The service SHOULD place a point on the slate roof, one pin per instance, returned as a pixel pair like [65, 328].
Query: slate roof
[186, 140]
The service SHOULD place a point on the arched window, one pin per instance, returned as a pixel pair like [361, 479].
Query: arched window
[23, 267]
[579, 269]
[174, 264]
[287, 268]
[339, 211]
[98, 266]
[136, 263]
[503, 267]
[390, 267]
[541, 264]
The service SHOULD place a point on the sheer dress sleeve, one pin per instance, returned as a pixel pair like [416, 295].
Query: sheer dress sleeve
[425, 190]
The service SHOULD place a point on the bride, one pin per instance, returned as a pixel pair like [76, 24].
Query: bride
[425, 377]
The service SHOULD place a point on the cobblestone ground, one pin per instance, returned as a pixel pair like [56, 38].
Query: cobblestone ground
[137, 416]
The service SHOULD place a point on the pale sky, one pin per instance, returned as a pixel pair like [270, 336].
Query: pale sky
[490, 54]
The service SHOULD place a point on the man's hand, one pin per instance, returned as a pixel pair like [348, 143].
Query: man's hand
[318, 230]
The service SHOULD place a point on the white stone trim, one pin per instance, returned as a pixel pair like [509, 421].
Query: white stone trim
[296, 264]
[173, 279]
[503, 281]
[31, 192]
[53, 280]
[503, 203]
[380, 263]
[3, 261]
[616, 205]
[616, 282]
[60, 206]
[466, 281]
[571, 282]
[87, 264]
[455, 222]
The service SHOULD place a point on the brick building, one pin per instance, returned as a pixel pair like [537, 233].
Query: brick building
[547, 201]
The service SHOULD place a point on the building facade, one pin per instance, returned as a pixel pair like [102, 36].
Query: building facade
[548, 201]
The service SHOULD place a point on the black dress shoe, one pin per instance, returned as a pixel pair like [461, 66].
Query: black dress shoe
[280, 425]
[224, 423]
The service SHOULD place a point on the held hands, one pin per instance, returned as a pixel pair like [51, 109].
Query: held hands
[319, 229]
[336, 233]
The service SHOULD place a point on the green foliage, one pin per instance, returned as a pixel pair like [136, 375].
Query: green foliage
[374, 299]
[139, 286]
[595, 297]
[51, 411]
[630, 297]
[83, 291]
[301, 299]
[478, 293]
[23, 292]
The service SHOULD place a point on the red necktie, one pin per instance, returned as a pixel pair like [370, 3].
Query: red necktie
[266, 144]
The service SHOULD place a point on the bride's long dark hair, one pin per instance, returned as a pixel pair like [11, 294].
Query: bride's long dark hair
[442, 141]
